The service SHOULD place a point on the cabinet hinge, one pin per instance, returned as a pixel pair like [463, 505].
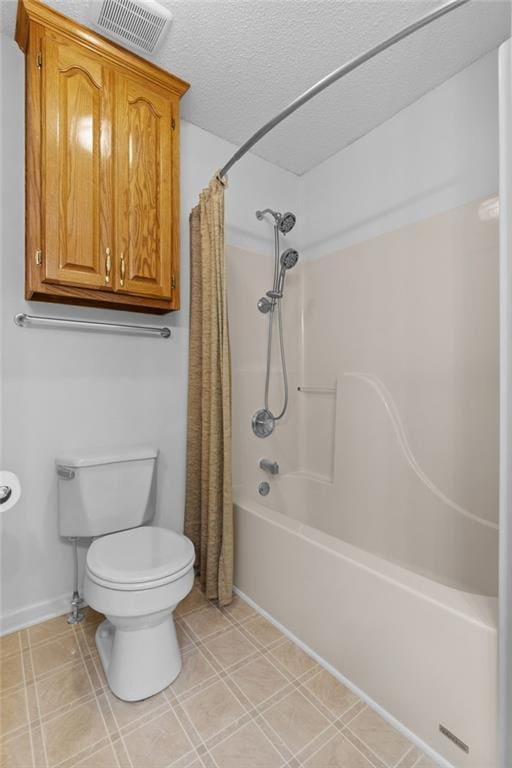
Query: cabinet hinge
[173, 282]
[39, 59]
[173, 124]
[38, 257]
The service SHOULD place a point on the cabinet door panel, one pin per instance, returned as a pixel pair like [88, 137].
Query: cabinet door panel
[143, 188]
[77, 129]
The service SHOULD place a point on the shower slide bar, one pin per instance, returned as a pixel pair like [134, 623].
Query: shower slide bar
[28, 321]
[337, 74]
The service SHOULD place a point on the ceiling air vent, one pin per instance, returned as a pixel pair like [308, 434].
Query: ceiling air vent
[138, 24]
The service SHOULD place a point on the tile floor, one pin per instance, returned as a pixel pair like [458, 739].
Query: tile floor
[247, 698]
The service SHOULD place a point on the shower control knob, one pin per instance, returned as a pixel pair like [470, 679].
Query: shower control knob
[264, 489]
[264, 305]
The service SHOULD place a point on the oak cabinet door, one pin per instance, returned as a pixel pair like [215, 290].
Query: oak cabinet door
[76, 165]
[143, 188]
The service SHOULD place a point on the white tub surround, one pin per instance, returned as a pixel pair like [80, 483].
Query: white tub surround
[425, 653]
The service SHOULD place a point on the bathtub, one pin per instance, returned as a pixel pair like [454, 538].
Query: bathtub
[423, 653]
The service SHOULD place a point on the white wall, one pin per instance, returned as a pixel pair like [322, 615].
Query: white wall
[438, 153]
[67, 391]
[70, 391]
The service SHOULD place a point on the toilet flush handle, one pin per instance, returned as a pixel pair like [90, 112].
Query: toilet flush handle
[65, 473]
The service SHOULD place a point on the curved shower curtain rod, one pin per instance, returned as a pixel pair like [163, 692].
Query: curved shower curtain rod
[336, 75]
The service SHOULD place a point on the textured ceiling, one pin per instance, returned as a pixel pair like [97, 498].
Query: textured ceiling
[246, 59]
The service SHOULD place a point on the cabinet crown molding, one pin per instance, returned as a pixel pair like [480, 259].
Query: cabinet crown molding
[39, 13]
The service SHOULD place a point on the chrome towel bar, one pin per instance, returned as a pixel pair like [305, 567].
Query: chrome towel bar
[317, 390]
[28, 321]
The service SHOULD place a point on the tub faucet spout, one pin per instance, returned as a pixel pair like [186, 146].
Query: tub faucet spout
[272, 467]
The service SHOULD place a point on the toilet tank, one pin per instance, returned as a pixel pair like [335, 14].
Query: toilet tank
[105, 493]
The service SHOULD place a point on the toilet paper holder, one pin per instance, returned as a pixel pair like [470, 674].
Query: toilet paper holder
[5, 493]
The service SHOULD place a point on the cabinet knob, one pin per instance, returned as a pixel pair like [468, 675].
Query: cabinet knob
[108, 265]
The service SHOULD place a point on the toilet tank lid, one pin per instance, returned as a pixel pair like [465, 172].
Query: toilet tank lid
[91, 460]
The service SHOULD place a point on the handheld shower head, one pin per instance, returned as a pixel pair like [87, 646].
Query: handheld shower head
[289, 258]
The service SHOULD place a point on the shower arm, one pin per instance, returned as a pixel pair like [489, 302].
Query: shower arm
[337, 74]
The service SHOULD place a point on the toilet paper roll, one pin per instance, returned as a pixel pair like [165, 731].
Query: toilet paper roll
[10, 490]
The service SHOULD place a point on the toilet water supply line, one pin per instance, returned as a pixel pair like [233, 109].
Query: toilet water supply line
[76, 615]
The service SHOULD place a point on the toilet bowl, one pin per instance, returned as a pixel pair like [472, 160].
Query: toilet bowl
[136, 578]
[135, 574]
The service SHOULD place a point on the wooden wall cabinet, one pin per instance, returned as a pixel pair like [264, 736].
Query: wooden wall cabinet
[102, 169]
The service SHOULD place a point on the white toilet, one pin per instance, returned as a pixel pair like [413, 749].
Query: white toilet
[135, 575]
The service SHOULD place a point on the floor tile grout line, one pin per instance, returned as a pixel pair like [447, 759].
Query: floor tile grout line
[247, 713]
[255, 721]
[76, 704]
[137, 724]
[155, 715]
[45, 641]
[194, 639]
[316, 751]
[192, 752]
[356, 714]
[295, 678]
[229, 669]
[206, 638]
[219, 673]
[209, 638]
[63, 708]
[36, 695]
[234, 624]
[170, 697]
[98, 705]
[14, 733]
[78, 756]
[261, 703]
[313, 694]
[397, 763]
[280, 739]
[27, 710]
[208, 683]
[198, 688]
[11, 689]
[140, 722]
[368, 759]
[329, 725]
[374, 753]
[297, 688]
[67, 666]
[105, 690]
[345, 725]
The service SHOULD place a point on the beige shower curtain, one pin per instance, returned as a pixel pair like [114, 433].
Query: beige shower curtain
[209, 497]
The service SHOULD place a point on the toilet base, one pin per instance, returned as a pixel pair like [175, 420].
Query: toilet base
[139, 661]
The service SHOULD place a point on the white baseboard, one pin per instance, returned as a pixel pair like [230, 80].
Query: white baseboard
[397, 725]
[34, 614]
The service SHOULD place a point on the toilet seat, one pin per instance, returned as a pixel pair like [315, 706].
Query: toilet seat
[139, 558]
